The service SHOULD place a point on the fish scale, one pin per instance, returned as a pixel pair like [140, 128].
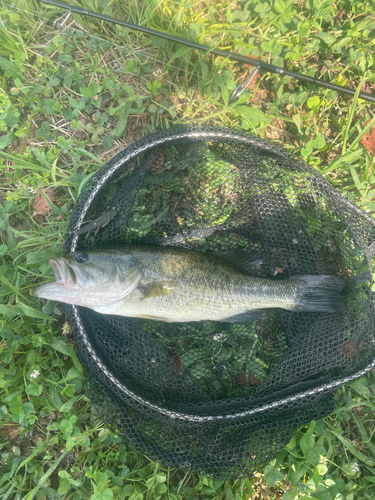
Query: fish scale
[208, 288]
[176, 284]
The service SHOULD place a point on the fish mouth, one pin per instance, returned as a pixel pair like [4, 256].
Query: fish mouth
[68, 274]
[69, 284]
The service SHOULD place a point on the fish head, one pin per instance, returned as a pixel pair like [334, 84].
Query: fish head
[92, 279]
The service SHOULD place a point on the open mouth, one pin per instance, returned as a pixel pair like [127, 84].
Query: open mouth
[69, 275]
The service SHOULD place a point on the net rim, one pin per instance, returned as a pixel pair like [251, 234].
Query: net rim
[328, 387]
[202, 133]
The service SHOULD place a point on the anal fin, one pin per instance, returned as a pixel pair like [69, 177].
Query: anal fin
[246, 317]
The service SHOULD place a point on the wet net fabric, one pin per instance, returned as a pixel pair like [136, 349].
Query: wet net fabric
[218, 398]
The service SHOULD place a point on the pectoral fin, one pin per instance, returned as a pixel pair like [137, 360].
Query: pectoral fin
[157, 289]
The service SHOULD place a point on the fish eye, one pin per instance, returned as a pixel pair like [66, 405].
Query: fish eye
[81, 257]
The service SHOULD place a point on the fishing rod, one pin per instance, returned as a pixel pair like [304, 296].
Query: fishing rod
[219, 52]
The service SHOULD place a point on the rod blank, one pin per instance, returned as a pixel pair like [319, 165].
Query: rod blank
[219, 52]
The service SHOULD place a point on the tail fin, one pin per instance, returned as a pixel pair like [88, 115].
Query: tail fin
[319, 293]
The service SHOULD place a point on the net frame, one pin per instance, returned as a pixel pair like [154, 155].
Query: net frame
[319, 397]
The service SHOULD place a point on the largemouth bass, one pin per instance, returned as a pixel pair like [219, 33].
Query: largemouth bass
[175, 284]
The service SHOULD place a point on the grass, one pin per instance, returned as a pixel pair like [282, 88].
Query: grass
[69, 101]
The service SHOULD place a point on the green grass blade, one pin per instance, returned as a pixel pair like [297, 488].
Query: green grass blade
[45, 476]
[350, 116]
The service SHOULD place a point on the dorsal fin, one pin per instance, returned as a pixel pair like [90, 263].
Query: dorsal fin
[247, 261]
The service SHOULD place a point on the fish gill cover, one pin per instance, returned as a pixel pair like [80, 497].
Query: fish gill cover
[220, 398]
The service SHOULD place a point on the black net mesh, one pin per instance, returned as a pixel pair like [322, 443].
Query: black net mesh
[223, 398]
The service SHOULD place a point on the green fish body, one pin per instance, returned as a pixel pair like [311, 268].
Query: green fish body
[175, 284]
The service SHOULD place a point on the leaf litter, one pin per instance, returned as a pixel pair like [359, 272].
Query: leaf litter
[40, 205]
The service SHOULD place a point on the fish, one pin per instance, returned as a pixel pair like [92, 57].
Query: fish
[180, 285]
